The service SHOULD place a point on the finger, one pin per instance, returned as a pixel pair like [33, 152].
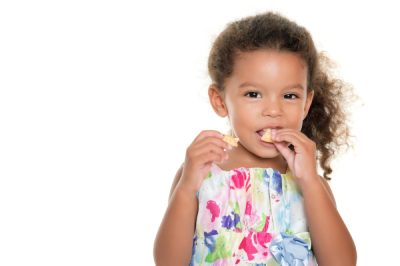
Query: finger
[214, 157]
[291, 138]
[217, 141]
[286, 152]
[291, 131]
[208, 133]
[209, 157]
[207, 148]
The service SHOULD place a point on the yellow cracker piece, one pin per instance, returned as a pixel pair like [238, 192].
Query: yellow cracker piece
[231, 140]
[267, 137]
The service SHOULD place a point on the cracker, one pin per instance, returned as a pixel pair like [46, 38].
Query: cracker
[267, 137]
[231, 140]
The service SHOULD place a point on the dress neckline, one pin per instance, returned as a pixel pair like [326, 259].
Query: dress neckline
[287, 172]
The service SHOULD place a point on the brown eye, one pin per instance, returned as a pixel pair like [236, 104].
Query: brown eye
[253, 94]
[291, 96]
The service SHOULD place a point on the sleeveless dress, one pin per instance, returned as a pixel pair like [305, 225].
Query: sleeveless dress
[250, 216]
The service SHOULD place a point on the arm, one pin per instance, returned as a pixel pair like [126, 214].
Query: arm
[173, 244]
[175, 182]
[174, 241]
[332, 242]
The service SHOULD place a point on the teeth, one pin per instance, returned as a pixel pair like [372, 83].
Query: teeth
[263, 131]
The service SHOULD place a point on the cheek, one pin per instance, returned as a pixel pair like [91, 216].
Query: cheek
[245, 113]
[236, 109]
[237, 117]
[295, 118]
[242, 116]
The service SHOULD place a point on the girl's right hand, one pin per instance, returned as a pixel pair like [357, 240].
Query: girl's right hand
[207, 147]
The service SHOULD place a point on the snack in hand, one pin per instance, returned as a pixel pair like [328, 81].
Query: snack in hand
[231, 140]
[267, 137]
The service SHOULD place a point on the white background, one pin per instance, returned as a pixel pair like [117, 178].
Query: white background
[86, 87]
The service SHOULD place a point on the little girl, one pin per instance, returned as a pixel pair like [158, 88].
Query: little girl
[262, 203]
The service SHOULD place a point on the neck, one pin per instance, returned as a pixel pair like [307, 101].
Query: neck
[241, 157]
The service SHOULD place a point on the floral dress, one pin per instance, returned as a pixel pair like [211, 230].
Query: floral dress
[251, 216]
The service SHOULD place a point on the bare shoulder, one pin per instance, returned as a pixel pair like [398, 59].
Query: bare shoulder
[176, 180]
[328, 189]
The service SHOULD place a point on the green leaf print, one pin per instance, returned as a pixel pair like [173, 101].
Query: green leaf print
[236, 210]
[221, 250]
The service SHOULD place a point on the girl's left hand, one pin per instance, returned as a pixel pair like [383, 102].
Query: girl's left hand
[302, 160]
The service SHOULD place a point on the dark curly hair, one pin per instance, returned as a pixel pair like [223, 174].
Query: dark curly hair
[326, 122]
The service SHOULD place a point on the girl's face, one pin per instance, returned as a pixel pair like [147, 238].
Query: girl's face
[267, 89]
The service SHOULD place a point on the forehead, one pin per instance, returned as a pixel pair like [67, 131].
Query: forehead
[269, 66]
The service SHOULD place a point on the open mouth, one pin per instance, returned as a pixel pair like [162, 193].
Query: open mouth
[266, 134]
[264, 131]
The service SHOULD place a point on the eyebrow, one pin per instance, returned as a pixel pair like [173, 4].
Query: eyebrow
[249, 84]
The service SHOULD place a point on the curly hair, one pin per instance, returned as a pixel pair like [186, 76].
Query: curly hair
[326, 122]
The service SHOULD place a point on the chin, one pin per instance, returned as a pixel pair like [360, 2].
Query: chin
[267, 154]
[261, 149]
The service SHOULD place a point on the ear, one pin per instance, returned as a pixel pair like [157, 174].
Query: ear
[309, 99]
[217, 100]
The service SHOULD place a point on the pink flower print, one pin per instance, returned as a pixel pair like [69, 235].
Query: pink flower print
[214, 209]
[240, 179]
[248, 208]
[247, 246]
[255, 242]
[263, 237]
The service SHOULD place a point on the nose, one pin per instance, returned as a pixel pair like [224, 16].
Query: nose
[272, 108]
